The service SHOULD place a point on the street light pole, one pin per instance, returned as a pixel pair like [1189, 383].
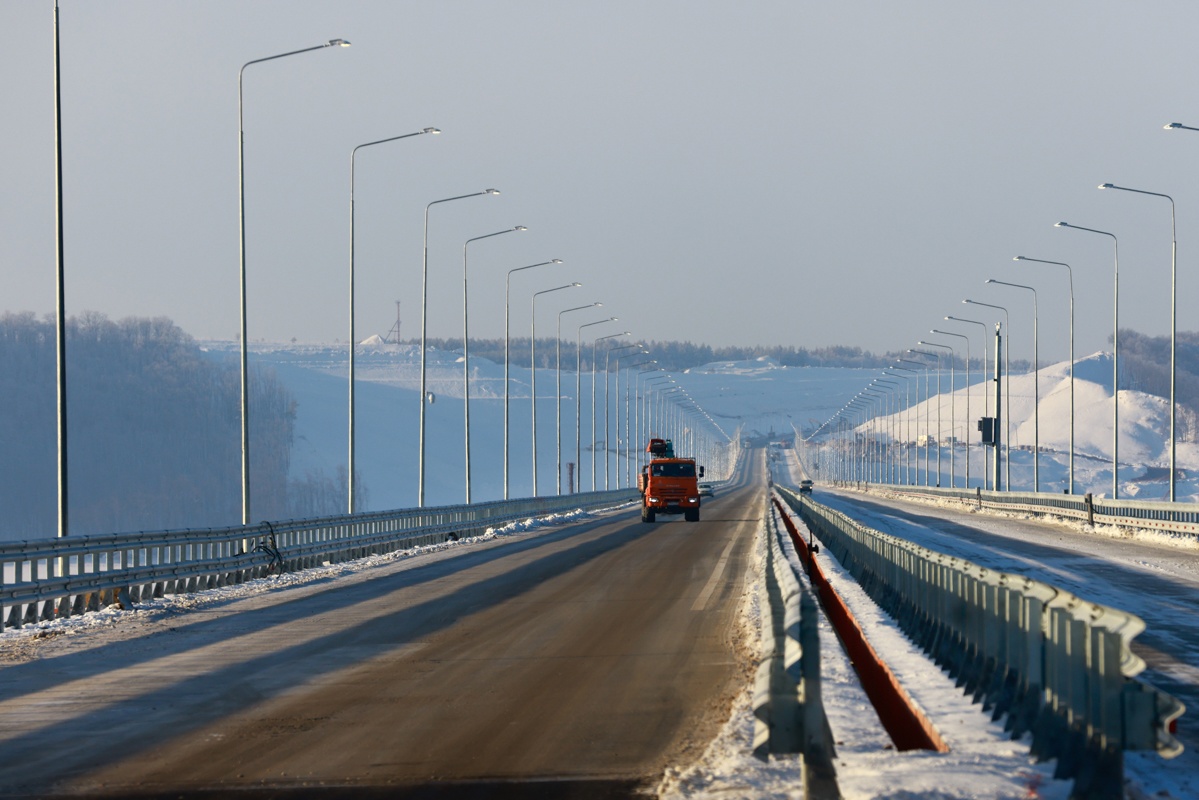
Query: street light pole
[892, 466]
[1007, 397]
[953, 424]
[907, 461]
[558, 370]
[424, 339]
[607, 420]
[1115, 354]
[241, 208]
[1173, 316]
[593, 359]
[60, 315]
[579, 398]
[986, 397]
[938, 357]
[629, 432]
[466, 349]
[1070, 274]
[533, 367]
[923, 365]
[507, 359]
[1036, 383]
[353, 338]
[966, 427]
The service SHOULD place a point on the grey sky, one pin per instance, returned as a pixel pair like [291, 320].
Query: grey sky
[793, 173]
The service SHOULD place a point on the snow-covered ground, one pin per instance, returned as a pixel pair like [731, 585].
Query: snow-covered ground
[983, 761]
[760, 397]
[1144, 455]
[1149, 574]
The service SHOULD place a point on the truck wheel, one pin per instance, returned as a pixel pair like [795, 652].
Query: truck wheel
[647, 514]
[691, 515]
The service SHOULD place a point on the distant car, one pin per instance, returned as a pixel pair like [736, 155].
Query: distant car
[805, 486]
[705, 490]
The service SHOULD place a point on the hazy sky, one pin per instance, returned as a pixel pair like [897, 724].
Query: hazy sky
[797, 173]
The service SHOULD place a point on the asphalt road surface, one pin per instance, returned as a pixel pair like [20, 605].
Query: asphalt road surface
[580, 661]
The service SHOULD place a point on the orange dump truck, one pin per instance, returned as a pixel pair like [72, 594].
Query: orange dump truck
[668, 485]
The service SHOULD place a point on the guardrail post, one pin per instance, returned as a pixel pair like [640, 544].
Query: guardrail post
[1089, 502]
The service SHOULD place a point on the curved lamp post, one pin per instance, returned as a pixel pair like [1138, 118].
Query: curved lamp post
[1173, 310]
[892, 466]
[424, 334]
[607, 419]
[966, 428]
[1007, 397]
[939, 438]
[593, 359]
[953, 417]
[628, 395]
[507, 286]
[241, 208]
[1115, 354]
[579, 398]
[558, 371]
[907, 462]
[986, 397]
[1070, 274]
[533, 367]
[1036, 383]
[353, 339]
[924, 366]
[466, 348]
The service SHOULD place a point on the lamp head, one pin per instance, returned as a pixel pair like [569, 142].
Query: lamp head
[337, 43]
[520, 228]
[1019, 258]
[491, 191]
[576, 283]
[559, 261]
[1107, 186]
[1061, 224]
[989, 280]
[433, 131]
[1174, 125]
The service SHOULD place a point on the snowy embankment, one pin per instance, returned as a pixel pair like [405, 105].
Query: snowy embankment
[1038, 409]
[1136, 565]
[983, 761]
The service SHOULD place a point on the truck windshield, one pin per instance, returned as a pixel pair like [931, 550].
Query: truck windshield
[673, 470]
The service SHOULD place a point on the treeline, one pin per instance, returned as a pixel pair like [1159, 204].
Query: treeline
[153, 432]
[677, 356]
[1145, 367]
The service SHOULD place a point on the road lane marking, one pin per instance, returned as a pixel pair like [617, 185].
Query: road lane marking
[702, 600]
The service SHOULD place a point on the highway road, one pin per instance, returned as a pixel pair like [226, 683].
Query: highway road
[577, 661]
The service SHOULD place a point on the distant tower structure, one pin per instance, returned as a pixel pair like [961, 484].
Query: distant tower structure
[393, 335]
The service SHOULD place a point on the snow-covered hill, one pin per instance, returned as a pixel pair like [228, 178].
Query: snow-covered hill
[760, 397]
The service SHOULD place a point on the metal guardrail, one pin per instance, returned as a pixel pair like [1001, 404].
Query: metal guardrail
[50, 578]
[1058, 666]
[788, 710]
[1148, 514]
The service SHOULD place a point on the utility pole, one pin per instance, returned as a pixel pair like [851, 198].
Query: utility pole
[998, 408]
